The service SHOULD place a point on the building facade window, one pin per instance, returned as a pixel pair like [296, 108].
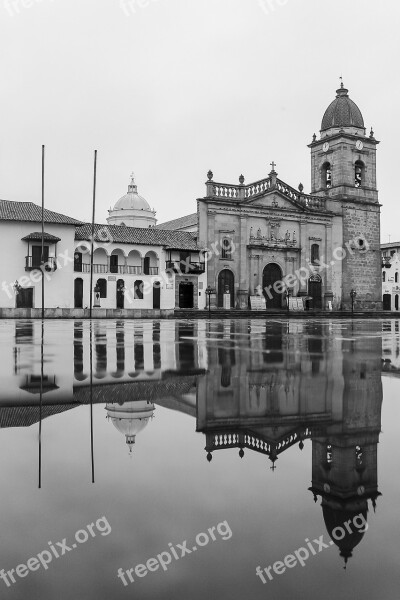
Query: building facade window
[102, 287]
[226, 249]
[384, 276]
[396, 277]
[315, 254]
[138, 290]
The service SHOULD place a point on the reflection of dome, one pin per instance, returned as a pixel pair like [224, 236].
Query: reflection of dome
[130, 418]
[132, 210]
[342, 112]
[336, 517]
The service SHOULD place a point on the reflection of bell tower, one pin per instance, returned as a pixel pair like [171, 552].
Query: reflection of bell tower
[344, 459]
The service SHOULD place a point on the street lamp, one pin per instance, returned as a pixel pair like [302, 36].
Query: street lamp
[353, 294]
[209, 291]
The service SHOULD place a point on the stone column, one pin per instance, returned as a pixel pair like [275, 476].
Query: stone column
[243, 291]
[303, 256]
[328, 295]
[213, 261]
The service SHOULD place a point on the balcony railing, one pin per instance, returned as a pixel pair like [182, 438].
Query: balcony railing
[194, 268]
[32, 262]
[120, 269]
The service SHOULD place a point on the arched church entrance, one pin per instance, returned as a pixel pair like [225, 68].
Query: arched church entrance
[315, 291]
[272, 274]
[387, 302]
[226, 282]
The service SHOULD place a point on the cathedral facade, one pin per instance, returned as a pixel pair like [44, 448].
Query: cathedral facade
[270, 239]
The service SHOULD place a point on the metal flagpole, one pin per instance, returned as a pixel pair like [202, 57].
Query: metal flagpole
[92, 243]
[91, 399]
[42, 252]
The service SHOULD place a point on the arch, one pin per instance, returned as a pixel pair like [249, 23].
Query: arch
[226, 251]
[272, 274]
[120, 293]
[326, 175]
[396, 302]
[134, 263]
[359, 173]
[117, 261]
[315, 291]
[315, 254]
[226, 281]
[150, 263]
[100, 261]
[78, 292]
[157, 294]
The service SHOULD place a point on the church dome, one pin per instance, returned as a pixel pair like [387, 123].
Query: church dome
[342, 112]
[132, 200]
[334, 518]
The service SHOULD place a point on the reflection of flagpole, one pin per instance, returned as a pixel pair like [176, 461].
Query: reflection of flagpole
[40, 406]
[42, 251]
[91, 400]
[92, 243]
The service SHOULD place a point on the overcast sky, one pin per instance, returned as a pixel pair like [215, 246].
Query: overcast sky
[172, 88]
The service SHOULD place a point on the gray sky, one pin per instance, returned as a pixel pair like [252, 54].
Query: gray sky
[171, 88]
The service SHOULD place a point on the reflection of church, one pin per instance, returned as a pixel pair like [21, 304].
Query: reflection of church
[252, 386]
[292, 388]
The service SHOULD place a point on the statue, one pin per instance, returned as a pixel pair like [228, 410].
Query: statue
[251, 232]
[287, 236]
[259, 233]
[294, 237]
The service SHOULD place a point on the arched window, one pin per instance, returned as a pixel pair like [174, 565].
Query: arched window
[315, 254]
[226, 249]
[138, 290]
[384, 276]
[359, 174]
[102, 286]
[327, 175]
[396, 277]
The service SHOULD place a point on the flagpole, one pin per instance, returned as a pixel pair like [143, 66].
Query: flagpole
[42, 252]
[92, 236]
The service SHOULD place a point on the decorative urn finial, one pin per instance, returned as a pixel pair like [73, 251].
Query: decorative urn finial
[210, 175]
[241, 180]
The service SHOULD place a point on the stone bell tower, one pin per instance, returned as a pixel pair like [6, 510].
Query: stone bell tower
[343, 168]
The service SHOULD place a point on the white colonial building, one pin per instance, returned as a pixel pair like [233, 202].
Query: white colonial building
[137, 268]
[391, 281]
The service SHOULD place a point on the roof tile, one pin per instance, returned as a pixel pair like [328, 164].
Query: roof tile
[28, 211]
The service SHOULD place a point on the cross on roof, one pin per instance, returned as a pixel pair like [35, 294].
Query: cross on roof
[273, 165]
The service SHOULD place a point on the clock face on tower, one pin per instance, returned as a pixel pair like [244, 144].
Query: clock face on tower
[325, 147]
[359, 145]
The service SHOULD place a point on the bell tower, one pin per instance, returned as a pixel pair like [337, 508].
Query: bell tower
[343, 168]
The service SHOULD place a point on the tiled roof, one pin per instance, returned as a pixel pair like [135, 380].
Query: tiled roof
[390, 245]
[181, 223]
[120, 234]
[27, 211]
[37, 235]
[25, 416]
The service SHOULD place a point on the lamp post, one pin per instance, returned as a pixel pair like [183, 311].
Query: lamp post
[209, 291]
[353, 294]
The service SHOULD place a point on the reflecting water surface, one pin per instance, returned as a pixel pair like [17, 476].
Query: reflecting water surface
[195, 459]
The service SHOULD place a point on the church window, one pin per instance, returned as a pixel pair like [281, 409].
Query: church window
[138, 290]
[102, 287]
[327, 175]
[396, 277]
[396, 302]
[384, 276]
[359, 174]
[226, 249]
[315, 254]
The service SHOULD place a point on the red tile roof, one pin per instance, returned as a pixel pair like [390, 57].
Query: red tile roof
[28, 211]
[174, 240]
[181, 223]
